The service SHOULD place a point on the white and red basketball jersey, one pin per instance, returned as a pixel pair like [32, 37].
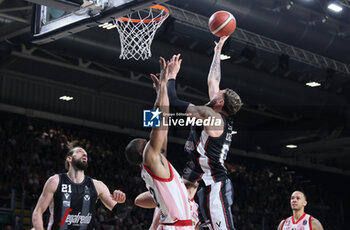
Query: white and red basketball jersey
[171, 198]
[194, 214]
[156, 219]
[304, 223]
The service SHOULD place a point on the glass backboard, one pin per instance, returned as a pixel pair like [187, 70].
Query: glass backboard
[50, 23]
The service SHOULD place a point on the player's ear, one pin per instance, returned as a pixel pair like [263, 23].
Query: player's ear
[69, 158]
[305, 203]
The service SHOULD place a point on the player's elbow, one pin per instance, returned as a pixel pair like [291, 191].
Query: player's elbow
[139, 202]
[144, 203]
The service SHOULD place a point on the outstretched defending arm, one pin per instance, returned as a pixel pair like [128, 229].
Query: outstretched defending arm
[214, 75]
[174, 68]
[158, 134]
[156, 87]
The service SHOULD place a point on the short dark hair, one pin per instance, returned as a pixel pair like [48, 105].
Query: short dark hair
[301, 191]
[232, 102]
[190, 184]
[133, 149]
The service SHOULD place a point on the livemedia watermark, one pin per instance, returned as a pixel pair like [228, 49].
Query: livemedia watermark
[157, 118]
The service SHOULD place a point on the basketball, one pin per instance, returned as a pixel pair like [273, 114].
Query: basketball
[222, 23]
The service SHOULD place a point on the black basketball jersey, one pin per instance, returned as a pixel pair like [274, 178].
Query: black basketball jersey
[74, 205]
[208, 153]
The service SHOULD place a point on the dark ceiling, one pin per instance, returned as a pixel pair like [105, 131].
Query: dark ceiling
[279, 108]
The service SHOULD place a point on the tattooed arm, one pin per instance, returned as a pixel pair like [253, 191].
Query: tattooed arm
[214, 75]
[316, 224]
[204, 112]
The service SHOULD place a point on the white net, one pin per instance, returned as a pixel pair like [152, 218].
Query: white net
[137, 30]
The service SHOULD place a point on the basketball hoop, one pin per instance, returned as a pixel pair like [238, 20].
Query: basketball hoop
[137, 30]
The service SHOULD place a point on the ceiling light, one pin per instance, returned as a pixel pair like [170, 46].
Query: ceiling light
[335, 7]
[324, 19]
[313, 84]
[234, 132]
[66, 98]
[224, 57]
[291, 146]
[289, 5]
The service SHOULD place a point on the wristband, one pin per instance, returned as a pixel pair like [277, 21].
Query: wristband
[120, 210]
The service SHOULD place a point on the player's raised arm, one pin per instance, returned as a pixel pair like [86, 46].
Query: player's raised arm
[175, 102]
[214, 75]
[156, 87]
[158, 134]
[201, 112]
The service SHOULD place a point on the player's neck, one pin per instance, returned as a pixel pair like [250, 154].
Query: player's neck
[219, 110]
[76, 176]
[297, 214]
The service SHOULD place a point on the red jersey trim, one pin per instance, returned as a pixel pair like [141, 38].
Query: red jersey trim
[179, 223]
[283, 223]
[310, 225]
[302, 217]
[159, 178]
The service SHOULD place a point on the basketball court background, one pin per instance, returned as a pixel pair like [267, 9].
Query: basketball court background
[278, 47]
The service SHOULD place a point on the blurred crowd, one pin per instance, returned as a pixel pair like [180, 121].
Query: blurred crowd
[34, 149]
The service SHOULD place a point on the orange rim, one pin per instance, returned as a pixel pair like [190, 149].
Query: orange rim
[159, 7]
